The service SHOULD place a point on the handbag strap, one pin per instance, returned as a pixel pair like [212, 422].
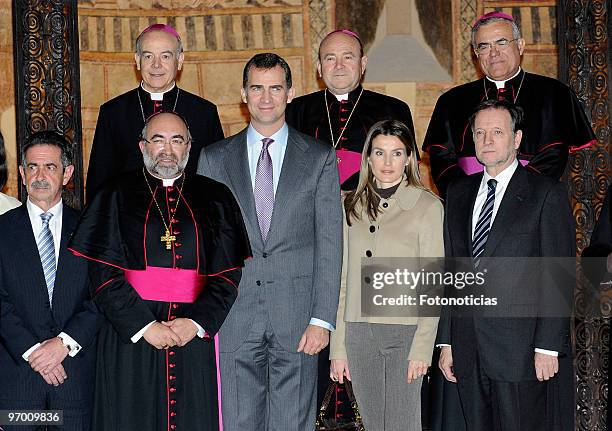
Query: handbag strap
[326, 399]
[348, 387]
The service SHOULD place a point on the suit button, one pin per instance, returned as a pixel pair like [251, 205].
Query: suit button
[385, 205]
[265, 255]
[368, 253]
[258, 283]
[372, 229]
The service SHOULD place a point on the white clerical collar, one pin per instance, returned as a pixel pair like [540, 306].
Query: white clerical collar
[157, 96]
[167, 182]
[341, 97]
[502, 84]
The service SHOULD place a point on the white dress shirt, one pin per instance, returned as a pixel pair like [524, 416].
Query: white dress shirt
[55, 225]
[277, 154]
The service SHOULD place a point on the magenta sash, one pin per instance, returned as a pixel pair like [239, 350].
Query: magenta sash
[166, 284]
[471, 165]
[349, 162]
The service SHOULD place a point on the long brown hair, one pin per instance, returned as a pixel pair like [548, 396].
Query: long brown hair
[365, 196]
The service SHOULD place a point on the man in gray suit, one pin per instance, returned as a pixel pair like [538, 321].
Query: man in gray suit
[288, 188]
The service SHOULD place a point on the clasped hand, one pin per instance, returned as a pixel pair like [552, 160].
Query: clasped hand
[163, 335]
[47, 361]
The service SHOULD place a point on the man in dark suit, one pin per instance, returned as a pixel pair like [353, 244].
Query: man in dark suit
[511, 369]
[47, 322]
[288, 189]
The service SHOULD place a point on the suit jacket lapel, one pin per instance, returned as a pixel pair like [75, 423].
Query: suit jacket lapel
[29, 252]
[236, 164]
[68, 225]
[464, 214]
[508, 210]
[292, 172]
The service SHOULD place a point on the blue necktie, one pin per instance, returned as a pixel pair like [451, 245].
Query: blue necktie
[46, 250]
[483, 225]
[264, 189]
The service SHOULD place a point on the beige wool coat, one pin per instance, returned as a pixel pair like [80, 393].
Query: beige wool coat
[408, 225]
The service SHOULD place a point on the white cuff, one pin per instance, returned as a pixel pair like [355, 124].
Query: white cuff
[201, 331]
[73, 346]
[138, 335]
[443, 345]
[546, 352]
[322, 324]
[28, 352]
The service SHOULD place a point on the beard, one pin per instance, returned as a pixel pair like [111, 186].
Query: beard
[155, 167]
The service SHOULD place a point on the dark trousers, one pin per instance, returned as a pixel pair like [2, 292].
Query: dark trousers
[76, 415]
[490, 405]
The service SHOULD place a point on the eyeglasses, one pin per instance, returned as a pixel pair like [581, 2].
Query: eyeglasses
[485, 47]
[161, 142]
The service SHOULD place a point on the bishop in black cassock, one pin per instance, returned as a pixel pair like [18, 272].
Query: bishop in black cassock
[115, 145]
[343, 113]
[161, 250]
[555, 124]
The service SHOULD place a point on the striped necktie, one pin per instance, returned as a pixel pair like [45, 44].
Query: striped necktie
[483, 225]
[46, 250]
[264, 189]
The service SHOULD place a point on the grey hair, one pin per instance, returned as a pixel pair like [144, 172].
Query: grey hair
[179, 48]
[48, 137]
[516, 31]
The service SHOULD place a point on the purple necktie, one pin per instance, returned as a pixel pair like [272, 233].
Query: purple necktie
[264, 189]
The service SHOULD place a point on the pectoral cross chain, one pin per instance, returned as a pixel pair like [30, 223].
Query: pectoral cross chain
[168, 239]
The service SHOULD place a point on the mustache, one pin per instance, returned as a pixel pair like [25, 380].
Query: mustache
[40, 184]
[166, 157]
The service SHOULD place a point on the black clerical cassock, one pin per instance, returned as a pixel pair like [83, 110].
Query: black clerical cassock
[554, 125]
[159, 253]
[120, 122]
[345, 124]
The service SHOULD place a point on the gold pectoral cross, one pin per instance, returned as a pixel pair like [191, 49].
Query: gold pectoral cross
[167, 238]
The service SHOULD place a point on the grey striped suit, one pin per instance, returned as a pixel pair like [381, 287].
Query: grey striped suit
[292, 277]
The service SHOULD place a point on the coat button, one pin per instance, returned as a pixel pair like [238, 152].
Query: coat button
[385, 205]
[258, 283]
[264, 255]
[368, 253]
[372, 229]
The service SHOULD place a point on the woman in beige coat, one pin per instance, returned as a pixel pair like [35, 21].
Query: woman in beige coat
[390, 215]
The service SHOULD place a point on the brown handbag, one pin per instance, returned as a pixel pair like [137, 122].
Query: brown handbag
[326, 420]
